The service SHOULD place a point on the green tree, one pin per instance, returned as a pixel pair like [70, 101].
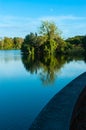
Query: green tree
[51, 33]
[78, 44]
[10, 43]
[7, 43]
[17, 42]
[29, 44]
[48, 42]
[49, 30]
[1, 44]
[84, 42]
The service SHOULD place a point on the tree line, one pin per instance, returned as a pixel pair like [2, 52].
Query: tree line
[78, 45]
[47, 41]
[11, 43]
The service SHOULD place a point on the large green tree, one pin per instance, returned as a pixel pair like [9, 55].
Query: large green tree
[50, 31]
[47, 42]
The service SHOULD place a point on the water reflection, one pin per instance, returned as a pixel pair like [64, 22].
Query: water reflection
[48, 68]
[20, 90]
[7, 56]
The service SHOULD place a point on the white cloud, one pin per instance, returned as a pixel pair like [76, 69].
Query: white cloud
[62, 18]
[21, 26]
[16, 26]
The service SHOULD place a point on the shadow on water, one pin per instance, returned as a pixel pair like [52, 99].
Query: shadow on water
[48, 67]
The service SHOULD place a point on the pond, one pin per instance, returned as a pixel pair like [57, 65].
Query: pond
[27, 85]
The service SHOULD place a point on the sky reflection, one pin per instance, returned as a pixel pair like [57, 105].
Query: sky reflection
[23, 94]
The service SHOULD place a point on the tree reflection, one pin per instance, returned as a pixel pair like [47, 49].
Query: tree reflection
[47, 67]
[50, 69]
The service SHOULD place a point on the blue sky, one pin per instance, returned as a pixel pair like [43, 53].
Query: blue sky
[19, 17]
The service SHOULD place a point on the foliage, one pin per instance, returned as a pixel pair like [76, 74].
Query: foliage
[29, 43]
[77, 40]
[17, 42]
[46, 43]
[78, 44]
[11, 43]
[49, 30]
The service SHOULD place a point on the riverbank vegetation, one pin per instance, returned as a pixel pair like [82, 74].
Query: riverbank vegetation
[11, 43]
[47, 41]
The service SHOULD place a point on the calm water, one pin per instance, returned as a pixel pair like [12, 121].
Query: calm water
[26, 85]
